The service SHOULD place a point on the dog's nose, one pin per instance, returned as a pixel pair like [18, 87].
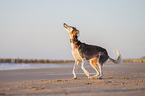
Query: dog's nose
[64, 24]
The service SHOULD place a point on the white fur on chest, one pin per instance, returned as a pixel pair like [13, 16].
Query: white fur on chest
[75, 53]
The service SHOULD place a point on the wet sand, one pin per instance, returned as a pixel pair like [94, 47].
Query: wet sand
[127, 79]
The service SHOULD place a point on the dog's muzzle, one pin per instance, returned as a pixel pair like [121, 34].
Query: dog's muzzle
[65, 26]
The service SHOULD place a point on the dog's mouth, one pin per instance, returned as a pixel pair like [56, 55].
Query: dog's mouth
[65, 25]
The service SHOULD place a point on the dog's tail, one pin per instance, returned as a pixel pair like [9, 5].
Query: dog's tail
[118, 60]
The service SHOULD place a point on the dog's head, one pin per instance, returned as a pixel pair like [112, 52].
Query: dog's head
[72, 31]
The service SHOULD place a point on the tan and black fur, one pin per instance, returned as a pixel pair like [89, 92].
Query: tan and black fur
[82, 52]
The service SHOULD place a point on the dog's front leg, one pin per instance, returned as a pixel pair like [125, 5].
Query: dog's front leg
[83, 67]
[75, 69]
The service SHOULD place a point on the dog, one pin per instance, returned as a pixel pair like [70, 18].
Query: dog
[96, 55]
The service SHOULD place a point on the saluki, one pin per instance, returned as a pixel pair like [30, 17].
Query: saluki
[82, 52]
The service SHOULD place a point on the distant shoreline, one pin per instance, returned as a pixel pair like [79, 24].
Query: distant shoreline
[8, 60]
[17, 60]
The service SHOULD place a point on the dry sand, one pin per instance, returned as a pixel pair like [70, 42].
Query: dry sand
[125, 79]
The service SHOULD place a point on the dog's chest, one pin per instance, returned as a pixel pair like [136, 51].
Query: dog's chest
[76, 53]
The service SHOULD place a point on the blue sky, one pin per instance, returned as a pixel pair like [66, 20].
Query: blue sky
[34, 28]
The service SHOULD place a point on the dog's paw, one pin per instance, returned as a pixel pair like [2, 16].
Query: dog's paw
[95, 76]
[99, 77]
[90, 77]
[74, 78]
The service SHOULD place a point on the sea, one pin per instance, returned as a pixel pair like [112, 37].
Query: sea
[19, 66]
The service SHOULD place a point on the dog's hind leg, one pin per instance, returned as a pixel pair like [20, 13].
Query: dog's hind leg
[93, 63]
[83, 67]
[75, 69]
[100, 66]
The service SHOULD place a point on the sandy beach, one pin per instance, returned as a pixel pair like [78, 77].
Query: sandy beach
[124, 79]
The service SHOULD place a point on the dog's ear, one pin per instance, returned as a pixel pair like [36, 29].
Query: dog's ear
[74, 28]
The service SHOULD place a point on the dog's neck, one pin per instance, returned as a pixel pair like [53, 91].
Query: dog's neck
[75, 43]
